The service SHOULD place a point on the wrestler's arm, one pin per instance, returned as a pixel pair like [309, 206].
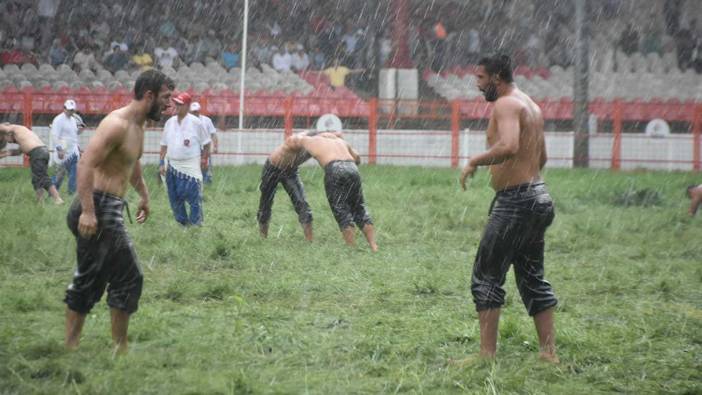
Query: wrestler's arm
[296, 141]
[354, 154]
[109, 134]
[137, 181]
[506, 115]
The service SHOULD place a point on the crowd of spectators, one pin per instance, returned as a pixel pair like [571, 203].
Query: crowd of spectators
[312, 34]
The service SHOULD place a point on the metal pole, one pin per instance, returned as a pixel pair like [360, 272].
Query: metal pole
[243, 64]
[580, 109]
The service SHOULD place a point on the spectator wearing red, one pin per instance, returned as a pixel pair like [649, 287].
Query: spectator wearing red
[15, 55]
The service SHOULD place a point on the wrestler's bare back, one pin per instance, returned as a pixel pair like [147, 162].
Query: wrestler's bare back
[25, 138]
[287, 155]
[525, 165]
[327, 147]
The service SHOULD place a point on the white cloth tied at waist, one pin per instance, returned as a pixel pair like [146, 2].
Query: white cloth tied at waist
[190, 167]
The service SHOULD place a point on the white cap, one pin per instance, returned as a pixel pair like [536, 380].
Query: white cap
[194, 106]
[69, 104]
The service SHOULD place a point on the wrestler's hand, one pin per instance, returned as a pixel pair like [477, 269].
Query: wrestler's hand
[142, 211]
[87, 224]
[468, 171]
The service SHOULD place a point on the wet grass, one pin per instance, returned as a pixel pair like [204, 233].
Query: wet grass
[224, 312]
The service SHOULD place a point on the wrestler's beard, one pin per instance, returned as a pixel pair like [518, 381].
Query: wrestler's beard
[154, 113]
[490, 92]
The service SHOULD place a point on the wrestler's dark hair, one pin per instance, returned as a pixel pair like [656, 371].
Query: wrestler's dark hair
[151, 80]
[498, 64]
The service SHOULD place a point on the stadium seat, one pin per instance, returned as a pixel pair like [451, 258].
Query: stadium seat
[183, 86]
[46, 68]
[28, 68]
[58, 85]
[63, 68]
[197, 66]
[670, 62]
[121, 75]
[201, 86]
[11, 69]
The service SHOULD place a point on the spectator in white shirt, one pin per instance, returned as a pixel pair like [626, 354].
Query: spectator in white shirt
[282, 61]
[186, 144]
[84, 59]
[300, 60]
[166, 56]
[65, 129]
[210, 128]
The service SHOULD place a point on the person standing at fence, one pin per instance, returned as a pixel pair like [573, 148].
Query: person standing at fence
[65, 129]
[520, 212]
[105, 254]
[186, 144]
[694, 192]
[337, 74]
[30, 144]
[210, 128]
[342, 182]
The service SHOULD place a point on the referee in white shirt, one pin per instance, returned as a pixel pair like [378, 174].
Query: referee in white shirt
[209, 126]
[65, 129]
[186, 144]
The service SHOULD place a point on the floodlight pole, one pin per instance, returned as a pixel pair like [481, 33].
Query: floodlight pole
[243, 65]
[581, 146]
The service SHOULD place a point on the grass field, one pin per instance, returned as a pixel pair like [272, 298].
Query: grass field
[224, 312]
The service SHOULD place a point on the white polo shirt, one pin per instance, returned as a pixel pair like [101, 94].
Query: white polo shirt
[182, 157]
[64, 134]
[208, 125]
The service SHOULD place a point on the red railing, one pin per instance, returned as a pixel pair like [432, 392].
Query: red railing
[385, 113]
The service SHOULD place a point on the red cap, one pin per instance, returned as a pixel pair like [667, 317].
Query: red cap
[183, 98]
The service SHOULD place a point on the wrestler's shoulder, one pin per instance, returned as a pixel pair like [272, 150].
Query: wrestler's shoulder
[116, 121]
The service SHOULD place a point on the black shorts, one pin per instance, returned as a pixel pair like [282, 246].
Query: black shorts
[271, 176]
[342, 182]
[106, 258]
[39, 162]
[514, 234]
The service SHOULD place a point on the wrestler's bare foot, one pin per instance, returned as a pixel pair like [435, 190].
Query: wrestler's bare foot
[119, 350]
[549, 357]
[307, 228]
[58, 201]
[369, 231]
[71, 345]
